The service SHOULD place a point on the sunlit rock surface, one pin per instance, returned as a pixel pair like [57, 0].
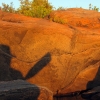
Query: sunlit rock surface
[61, 57]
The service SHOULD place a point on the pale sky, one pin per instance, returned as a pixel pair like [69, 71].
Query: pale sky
[61, 3]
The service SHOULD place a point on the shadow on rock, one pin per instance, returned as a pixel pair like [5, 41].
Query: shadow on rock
[7, 73]
[39, 66]
[93, 88]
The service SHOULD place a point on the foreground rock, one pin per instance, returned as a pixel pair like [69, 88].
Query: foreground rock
[63, 58]
[22, 90]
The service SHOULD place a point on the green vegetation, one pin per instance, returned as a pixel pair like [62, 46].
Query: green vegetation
[59, 20]
[91, 7]
[61, 8]
[8, 8]
[34, 8]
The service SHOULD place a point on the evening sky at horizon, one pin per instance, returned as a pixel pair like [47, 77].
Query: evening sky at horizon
[61, 3]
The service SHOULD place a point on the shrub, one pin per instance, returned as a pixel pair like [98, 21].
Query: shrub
[61, 8]
[91, 7]
[59, 20]
[35, 8]
[8, 8]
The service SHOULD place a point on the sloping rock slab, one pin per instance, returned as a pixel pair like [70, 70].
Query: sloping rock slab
[51, 54]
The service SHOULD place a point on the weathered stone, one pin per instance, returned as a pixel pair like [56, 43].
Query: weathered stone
[77, 17]
[86, 79]
[51, 54]
[22, 90]
[45, 94]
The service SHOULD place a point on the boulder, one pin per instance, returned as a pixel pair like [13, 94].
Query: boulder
[22, 90]
[51, 54]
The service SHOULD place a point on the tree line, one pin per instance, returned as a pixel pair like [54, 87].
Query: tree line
[35, 8]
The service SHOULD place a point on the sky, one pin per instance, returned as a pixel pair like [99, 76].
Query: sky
[61, 3]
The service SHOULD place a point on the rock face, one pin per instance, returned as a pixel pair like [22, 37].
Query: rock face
[60, 57]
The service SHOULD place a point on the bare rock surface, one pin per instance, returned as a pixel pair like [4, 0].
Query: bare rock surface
[61, 57]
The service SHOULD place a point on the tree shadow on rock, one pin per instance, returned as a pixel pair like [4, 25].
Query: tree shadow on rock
[39, 65]
[8, 74]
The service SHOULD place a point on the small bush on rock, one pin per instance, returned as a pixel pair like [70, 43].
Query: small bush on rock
[35, 8]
